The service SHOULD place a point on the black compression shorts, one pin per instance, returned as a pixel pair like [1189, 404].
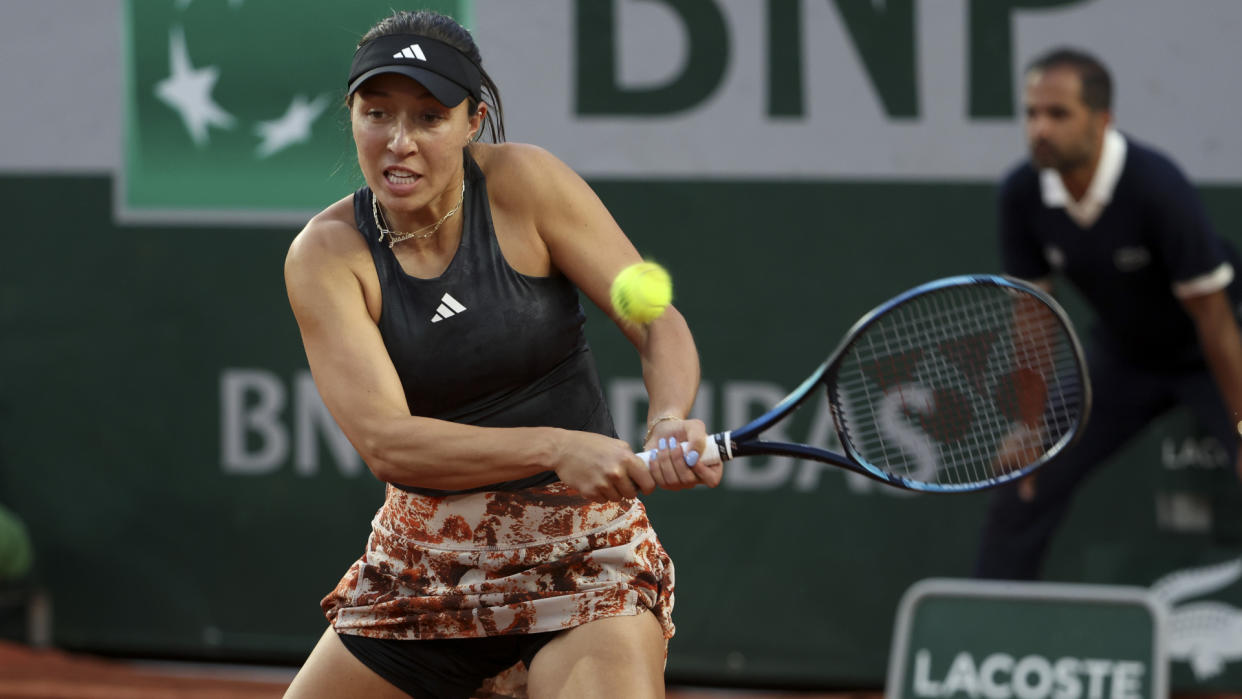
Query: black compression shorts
[444, 668]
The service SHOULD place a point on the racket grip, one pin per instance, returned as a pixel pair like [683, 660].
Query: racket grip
[709, 457]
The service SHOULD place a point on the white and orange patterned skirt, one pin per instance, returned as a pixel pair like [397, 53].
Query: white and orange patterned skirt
[504, 562]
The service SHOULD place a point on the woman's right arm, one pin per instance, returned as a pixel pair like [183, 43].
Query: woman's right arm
[361, 389]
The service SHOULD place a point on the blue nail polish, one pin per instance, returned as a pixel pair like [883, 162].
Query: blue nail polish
[663, 443]
[692, 458]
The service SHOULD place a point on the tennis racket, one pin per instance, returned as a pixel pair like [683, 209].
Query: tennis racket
[959, 384]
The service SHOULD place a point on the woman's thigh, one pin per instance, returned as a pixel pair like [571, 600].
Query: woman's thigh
[331, 671]
[613, 657]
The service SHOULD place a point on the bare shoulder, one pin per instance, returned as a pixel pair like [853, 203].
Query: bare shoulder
[520, 170]
[331, 236]
[509, 158]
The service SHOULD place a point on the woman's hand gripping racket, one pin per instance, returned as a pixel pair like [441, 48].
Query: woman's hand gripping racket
[959, 384]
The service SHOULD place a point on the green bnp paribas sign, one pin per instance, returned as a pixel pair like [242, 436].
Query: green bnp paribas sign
[234, 109]
[999, 640]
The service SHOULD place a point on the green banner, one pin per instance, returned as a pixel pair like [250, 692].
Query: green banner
[234, 110]
[167, 449]
[998, 640]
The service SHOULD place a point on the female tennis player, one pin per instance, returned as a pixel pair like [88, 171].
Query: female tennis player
[439, 311]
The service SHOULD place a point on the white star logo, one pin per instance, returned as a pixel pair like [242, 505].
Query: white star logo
[188, 91]
[293, 127]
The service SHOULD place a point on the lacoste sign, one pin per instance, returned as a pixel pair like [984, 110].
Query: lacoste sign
[1000, 640]
[1003, 676]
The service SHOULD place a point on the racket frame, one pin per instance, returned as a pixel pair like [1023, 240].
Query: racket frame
[742, 441]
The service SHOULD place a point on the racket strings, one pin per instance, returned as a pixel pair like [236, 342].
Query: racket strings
[959, 385]
[941, 414]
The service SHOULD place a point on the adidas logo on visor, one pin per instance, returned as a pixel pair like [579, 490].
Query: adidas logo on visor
[411, 51]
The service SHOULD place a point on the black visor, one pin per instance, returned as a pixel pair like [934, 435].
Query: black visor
[442, 69]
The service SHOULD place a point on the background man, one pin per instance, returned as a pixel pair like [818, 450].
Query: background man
[1122, 223]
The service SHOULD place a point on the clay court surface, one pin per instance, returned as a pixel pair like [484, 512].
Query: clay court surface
[27, 673]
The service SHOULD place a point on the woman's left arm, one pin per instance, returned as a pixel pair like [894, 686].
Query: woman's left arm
[585, 243]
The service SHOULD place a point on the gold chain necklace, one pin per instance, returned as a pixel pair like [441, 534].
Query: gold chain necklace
[397, 237]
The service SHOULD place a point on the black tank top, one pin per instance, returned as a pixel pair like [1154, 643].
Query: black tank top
[483, 344]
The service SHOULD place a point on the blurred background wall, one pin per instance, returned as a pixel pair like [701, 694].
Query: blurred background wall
[793, 162]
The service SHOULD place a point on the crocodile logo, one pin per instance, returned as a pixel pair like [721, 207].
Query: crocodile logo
[1207, 634]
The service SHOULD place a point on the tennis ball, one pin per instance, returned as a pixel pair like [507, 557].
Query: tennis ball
[641, 292]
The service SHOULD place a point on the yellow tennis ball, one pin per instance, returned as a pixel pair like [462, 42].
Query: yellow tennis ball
[641, 292]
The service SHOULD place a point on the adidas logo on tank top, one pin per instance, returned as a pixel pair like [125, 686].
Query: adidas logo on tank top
[449, 307]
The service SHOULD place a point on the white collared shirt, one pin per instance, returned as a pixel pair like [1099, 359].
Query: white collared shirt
[1086, 211]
